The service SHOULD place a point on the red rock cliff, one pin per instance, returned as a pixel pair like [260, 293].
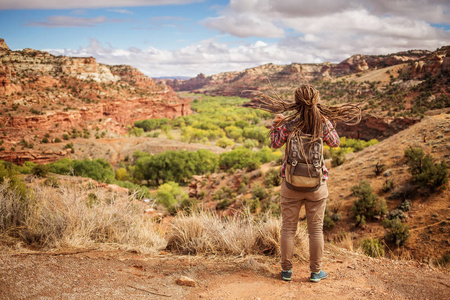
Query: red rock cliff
[51, 95]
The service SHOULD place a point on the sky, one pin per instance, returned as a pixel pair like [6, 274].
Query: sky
[188, 37]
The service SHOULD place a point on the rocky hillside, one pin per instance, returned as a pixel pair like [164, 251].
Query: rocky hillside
[262, 78]
[428, 218]
[44, 97]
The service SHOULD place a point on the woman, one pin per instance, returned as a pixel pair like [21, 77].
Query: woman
[308, 117]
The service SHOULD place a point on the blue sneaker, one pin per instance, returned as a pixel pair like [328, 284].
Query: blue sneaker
[316, 277]
[286, 275]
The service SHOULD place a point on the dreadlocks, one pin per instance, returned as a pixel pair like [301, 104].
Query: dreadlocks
[307, 111]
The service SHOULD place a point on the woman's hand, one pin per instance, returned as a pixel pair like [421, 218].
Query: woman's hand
[278, 118]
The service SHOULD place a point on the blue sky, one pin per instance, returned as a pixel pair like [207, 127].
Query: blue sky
[188, 37]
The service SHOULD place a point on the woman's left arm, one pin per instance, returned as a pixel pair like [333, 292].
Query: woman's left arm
[278, 135]
[330, 136]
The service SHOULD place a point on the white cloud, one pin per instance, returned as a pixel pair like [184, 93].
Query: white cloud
[208, 56]
[336, 29]
[433, 11]
[67, 21]
[58, 4]
[121, 11]
[211, 57]
[244, 25]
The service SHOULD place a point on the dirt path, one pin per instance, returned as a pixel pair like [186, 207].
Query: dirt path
[124, 275]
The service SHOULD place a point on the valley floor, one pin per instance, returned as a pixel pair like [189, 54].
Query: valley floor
[95, 274]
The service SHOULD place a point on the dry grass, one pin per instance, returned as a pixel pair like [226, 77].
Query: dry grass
[206, 233]
[345, 240]
[77, 216]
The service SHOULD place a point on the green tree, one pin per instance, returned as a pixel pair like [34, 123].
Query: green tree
[97, 169]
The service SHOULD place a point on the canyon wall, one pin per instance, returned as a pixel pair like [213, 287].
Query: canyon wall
[46, 95]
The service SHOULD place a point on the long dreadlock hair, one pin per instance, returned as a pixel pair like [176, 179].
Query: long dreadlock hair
[306, 115]
[309, 115]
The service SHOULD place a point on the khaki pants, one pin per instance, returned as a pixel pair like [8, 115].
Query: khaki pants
[315, 203]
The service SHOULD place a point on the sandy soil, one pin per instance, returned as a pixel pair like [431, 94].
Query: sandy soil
[84, 274]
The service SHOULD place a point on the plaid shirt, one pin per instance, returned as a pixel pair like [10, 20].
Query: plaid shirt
[279, 136]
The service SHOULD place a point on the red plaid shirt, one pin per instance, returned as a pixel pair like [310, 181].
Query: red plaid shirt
[279, 136]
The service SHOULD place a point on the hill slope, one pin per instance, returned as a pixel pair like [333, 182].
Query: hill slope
[48, 96]
[428, 218]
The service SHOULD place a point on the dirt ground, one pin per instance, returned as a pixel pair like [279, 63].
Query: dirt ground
[95, 274]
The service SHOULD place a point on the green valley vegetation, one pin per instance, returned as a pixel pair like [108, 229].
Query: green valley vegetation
[219, 119]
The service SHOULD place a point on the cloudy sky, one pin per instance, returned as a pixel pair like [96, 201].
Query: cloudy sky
[188, 37]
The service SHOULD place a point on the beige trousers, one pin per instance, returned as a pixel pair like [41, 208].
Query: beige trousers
[315, 203]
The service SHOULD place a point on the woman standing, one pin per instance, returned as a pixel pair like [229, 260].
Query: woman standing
[308, 117]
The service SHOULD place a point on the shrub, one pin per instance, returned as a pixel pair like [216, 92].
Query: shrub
[63, 166]
[170, 195]
[136, 131]
[396, 213]
[15, 183]
[258, 133]
[337, 159]
[224, 193]
[372, 247]
[271, 205]
[368, 205]
[405, 205]
[122, 174]
[259, 192]
[27, 167]
[331, 216]
[137, 191]
[388, 185]
[223, 204]
[40, 170]
[14, 198]
[233, 132]
[224, 142]
[379, 168]
[68, 146]
[444, 260]
[426, 174]
[52, 181]
[188, 205]
[272, 177]
[396, 231]
[250, 143]
[151, 124]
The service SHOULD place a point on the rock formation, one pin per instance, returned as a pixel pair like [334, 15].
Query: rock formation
[43, 94]
[262, 77]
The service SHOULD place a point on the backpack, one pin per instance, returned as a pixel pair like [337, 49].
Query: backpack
[304, 165]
